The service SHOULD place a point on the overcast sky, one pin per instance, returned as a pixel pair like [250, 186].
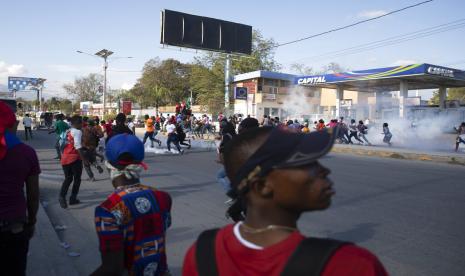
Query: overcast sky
[40, 38]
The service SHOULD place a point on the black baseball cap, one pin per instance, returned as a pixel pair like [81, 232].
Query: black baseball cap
[287, 149]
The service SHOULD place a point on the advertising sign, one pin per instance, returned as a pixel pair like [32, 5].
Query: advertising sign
[127, 107]
[381, 73]
[22, 84]
[240, 93]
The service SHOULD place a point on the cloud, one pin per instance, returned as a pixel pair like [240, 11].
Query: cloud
[11, 69]
[404, 62]
[371, 14]
[126, 86]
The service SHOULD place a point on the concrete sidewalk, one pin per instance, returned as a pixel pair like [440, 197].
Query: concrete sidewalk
[402, 153]
[46, 256]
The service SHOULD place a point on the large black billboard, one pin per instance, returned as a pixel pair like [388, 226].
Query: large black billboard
[192, 31]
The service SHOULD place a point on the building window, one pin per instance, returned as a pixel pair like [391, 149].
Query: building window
[274, 112]
[285, 83]
[266, 111]
[272, 90]
[271, 82]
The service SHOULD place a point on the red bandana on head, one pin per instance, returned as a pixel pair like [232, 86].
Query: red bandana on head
[7, 120]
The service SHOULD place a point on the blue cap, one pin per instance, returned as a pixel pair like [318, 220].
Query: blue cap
[124, 143]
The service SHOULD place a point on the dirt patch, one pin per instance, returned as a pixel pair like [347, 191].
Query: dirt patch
[397, 156]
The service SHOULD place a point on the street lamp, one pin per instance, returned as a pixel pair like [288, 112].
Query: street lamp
[104, 53]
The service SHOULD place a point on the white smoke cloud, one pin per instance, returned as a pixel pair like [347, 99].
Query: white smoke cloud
[430, 130]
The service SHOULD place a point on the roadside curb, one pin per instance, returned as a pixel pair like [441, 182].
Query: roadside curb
[455, 160]
[46, 256]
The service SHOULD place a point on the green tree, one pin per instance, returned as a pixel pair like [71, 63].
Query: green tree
[86, 88]
[208, 87]
[452, 94]
[207, 72]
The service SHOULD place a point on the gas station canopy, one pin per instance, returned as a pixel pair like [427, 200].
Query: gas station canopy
[418, 76]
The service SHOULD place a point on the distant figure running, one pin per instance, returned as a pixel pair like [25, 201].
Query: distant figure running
[387, 134]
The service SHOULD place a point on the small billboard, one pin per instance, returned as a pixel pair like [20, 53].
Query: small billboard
[22, 83]
[240, 93]
[127, 107]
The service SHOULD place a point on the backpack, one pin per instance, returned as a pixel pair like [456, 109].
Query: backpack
[309, 258]
[64, 141]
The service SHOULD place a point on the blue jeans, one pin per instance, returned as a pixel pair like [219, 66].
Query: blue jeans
[172, 138]
[151, 136]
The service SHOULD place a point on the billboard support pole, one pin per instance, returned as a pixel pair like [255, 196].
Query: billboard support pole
[227, 68]
[38, 98]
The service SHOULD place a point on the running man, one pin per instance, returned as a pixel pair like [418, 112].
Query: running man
[60, 130]
[362, 131]
[387, 134]
[150, 131]
[460, 135]
[90, 141]
[353, 132]
[71, 162]
[172, 136]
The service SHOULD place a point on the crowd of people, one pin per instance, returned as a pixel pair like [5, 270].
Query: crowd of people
[345, 132]
[270, 171]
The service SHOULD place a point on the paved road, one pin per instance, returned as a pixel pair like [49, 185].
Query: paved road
[409, 213]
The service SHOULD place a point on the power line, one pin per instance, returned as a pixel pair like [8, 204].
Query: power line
[390, 41]
[350, 25]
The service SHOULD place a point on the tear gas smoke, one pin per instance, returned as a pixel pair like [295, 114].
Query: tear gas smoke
[430, 130]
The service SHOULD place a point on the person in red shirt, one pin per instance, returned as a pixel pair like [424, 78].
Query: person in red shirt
[275, 178]
[19, 169]
[72, 160]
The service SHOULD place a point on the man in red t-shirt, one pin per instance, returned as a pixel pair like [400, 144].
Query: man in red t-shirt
[275, 177]
[72, 160]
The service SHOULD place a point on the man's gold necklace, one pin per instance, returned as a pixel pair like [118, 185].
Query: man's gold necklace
[252, 230]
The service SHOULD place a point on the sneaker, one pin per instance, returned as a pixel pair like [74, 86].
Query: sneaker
[181, 152]
[57, 158]
[159, 143]
[62, 202]
[99, 169]
[74, 201]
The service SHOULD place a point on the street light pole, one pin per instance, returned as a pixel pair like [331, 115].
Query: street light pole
[105, 66]
[104, 53]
